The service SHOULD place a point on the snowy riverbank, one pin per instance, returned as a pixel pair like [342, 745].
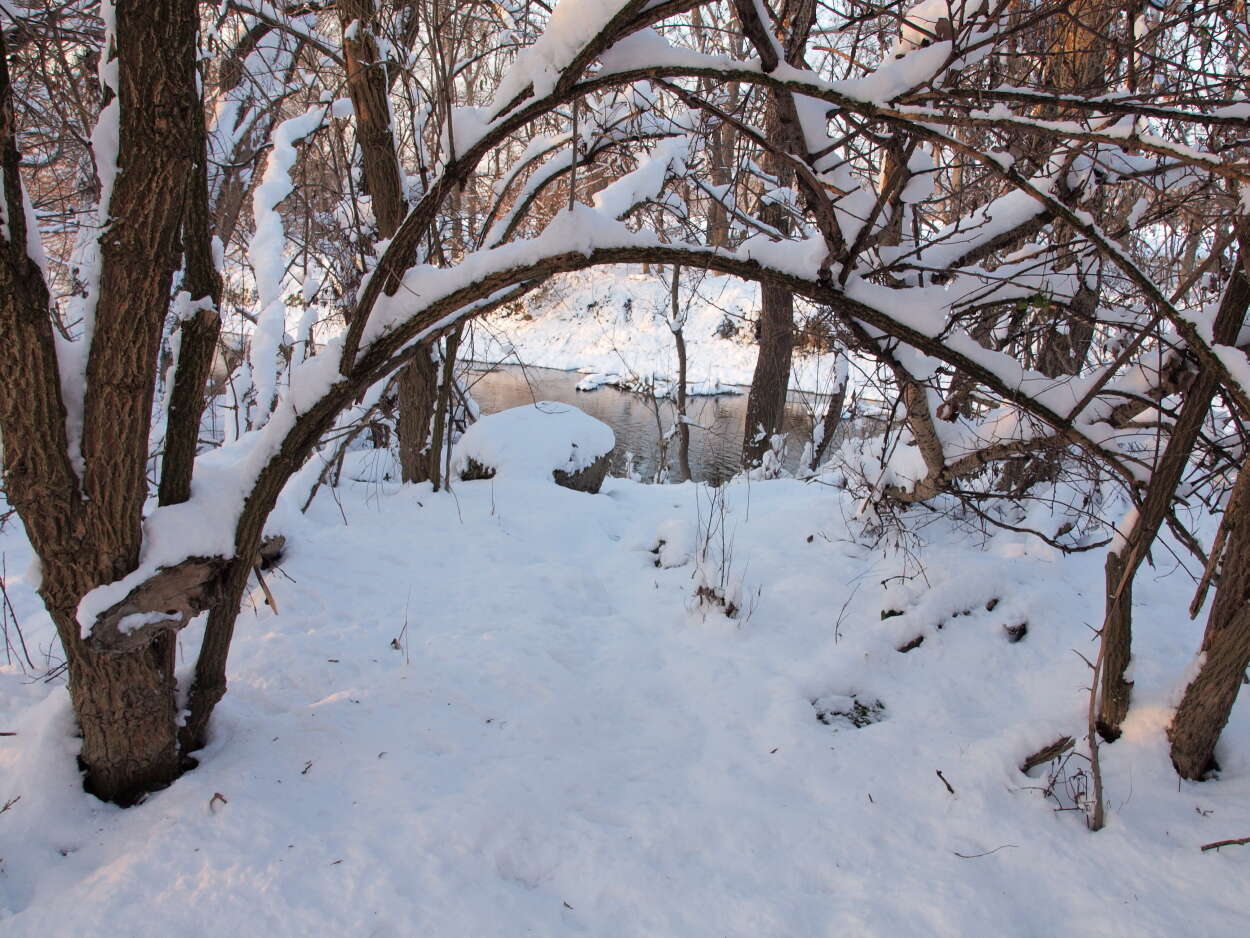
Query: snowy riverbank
[611, 322]
[493, 714]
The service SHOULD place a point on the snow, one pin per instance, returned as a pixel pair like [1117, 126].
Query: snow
[613, 322]
[660, 387]
[562, 744]
[571, 25]
[647, 181]
[530, 442]
[266, 251]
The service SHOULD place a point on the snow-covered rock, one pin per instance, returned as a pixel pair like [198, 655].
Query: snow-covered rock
[546, 440]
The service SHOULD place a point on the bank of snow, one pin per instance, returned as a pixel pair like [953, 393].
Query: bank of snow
[501, 712]
[611, 322]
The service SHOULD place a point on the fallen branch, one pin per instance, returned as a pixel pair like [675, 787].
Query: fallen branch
[1239, 842]
[1047, 753]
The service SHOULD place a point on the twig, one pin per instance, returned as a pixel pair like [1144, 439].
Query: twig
[1094, 819]
[1239, 842]
[945, 782]
[273, 603]
[973, 856]
[8, 613]
[404, 630]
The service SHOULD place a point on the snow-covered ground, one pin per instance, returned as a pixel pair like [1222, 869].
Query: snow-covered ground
[502, 713]
[611, 321]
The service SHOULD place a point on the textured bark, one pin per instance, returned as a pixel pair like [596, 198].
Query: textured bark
[167, 600]
[828, 427]
[125, 705]
[367, 85]
[1117, 630]
[1208, 699]
[679, 337]
[198, 334]
[442, 408]
[88, 534]
[683, 427]
[418, 394]
[720, 155]
[139, 253]
[1080, 51]
[766, 401]
[1115, 690]
[771, 378]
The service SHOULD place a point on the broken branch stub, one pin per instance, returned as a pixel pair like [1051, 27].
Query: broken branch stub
[166, 601]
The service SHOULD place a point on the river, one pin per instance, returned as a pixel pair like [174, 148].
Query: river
[715, 437]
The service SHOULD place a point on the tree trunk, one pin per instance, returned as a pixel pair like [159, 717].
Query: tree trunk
[1225, 654]
[1117, 630]
[199, 334]
[367, 85]
[1117, 641]
[828, 426]
[126, 708]
[88, 534]
[679, 337]
[418, 393]
[771, 379]
[442, 409]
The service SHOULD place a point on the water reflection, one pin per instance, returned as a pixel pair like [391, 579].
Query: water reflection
[715, 441]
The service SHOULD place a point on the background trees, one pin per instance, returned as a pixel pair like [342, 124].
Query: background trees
[1031, 244]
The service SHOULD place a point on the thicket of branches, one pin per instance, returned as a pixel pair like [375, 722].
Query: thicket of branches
[235, 233]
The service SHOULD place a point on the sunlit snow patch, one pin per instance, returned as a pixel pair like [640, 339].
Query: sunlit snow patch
[533, 442]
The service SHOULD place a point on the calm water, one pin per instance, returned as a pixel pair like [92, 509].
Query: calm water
[715, 443]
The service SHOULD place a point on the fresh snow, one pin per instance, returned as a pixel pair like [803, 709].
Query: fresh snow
[500, 712]
[532, 441]
[612, 323]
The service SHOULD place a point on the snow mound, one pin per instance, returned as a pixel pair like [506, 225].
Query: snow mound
[675, 544]
[533, 441]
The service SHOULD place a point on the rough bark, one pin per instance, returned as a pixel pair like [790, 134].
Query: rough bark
[1117, 632]
[769, 382]
[679, 337]
[683, 425]
[88, 533]
[367, 85]
[125, 705]
[442, 409]
[198, 333]
[766, 401]
[418, 394]
[1208, 699]
[828, 426]
[1115, 690]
